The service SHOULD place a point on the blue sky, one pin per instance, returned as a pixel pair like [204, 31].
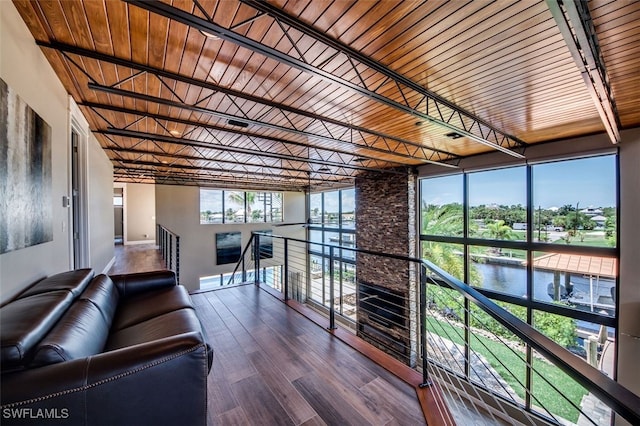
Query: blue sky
[589, 181]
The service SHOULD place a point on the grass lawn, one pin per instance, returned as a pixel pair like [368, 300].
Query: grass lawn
[511, 366]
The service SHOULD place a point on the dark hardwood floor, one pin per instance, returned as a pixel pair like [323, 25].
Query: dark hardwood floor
[273, 366]
[136, 258]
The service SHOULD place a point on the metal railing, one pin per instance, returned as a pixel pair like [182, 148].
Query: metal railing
[490, 365]
[169, 245]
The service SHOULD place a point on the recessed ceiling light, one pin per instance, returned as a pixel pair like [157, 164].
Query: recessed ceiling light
[454, 135]
[175, 132]
[419, 123]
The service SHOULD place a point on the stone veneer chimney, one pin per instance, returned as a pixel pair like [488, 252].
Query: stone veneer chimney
[386, 222]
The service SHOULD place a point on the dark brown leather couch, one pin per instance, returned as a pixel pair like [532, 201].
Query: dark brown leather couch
[79, 349]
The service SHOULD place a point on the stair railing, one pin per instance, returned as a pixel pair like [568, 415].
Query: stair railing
[169, 245]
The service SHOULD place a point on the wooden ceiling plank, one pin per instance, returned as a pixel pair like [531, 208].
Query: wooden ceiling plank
[31, 14]
[139, 34]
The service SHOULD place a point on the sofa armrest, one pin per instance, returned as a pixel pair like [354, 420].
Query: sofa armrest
[163, 382]
[131, 284]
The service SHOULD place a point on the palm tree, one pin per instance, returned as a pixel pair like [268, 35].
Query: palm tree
[446, 220]
[245, 199]
[499, 231]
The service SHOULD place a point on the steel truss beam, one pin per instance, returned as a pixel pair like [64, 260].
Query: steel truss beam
[575, 24]
[144, 176]
[211, 172]
[245, 168]
[311, 151]
[430, 107]
[358, 136]
[286, 159]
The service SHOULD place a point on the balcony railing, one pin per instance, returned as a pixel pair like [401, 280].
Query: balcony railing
[490, 365]
[169, 245]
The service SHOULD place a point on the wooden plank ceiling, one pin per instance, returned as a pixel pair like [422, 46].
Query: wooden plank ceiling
[285, 94]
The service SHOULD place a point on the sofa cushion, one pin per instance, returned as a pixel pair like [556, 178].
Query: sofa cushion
[130, 285]
[82, 331]
[73, 281]
[26, 321]
[148, 305]
[169, 324]
[104, 295]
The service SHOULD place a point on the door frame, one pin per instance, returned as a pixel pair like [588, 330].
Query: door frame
[79, 252]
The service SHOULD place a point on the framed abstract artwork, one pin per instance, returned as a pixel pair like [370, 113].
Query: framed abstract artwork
[26, 216]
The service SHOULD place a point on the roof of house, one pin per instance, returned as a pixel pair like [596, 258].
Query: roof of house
[578, 264]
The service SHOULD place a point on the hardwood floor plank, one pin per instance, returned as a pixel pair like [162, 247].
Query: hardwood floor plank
[294, 404]
[236, 416]
[403, 410]
[332, 408]
[136, 258]
[260, 405]
[314, 421]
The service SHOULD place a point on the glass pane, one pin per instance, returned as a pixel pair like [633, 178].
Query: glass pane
[348, 307]
[502, 367]
[555, 393]
[575, 201]
[256, 206]
[317, 279]
[275, 211]
[234, 206]
[583, 282]
[444, 332]
[441, 206]
[499, 269]
[348, 209]
[449, 257]
[497, 204]
[332, 238]
[315, 206]
[348, 240]
[316, 237]
[211, 206]
[331, 208]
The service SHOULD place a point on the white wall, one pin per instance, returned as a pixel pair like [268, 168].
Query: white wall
[100, 207]
[25, 69]
[629, 316]
[140, 210]
[178, 209]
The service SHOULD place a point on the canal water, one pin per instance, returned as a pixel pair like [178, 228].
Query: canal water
[512, 280]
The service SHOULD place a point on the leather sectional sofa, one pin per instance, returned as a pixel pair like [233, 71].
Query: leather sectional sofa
[103, 350]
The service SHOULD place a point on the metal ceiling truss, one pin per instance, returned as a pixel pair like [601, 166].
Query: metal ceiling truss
[212, 173]
[158, 162]
[429, 106]
[575, 24]
[193, 179]
[257, 170]
[349, 134]
[329, 156]
[286, 160]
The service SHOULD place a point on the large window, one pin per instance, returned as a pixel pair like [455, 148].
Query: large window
[560, 250]
[332, 222]
[218, 206]
[541, 239]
